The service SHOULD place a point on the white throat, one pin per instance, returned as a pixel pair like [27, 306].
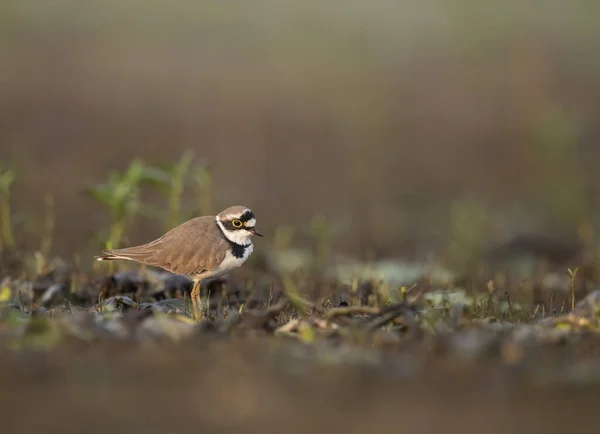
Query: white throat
[241, 237]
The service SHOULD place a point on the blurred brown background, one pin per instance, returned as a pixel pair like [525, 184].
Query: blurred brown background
[406, 122]
[383, 115]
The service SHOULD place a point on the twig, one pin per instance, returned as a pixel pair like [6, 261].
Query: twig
[288, 327]
[71, 308]
[510, 309]
[389, 314]
[260, 319]
[351, 310]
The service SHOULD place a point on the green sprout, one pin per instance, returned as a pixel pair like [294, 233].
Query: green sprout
[120, 195]
[204, 181]
[282, 237]
[322, 232]
[469, 219]
[170, 181]
[47, 231]
[573, 276]
[7, 178]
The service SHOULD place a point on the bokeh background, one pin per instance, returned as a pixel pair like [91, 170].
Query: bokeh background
[399, 120]
[409, 126]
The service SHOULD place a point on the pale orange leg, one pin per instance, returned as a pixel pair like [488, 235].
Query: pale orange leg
[196, 301]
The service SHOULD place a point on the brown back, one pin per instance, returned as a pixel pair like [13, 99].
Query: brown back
[193, 247]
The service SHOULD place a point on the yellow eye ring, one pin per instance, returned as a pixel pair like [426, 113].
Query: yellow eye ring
[237, 223]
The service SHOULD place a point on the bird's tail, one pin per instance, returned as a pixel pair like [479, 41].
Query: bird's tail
[109, 255]
[137, 253]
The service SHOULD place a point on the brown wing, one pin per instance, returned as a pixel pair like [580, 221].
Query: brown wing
[192, 247]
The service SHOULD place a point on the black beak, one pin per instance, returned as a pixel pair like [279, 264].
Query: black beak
[253, 232]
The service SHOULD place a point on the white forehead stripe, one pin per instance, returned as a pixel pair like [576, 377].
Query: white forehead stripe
[250, 223]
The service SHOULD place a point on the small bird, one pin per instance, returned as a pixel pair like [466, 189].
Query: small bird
[201, 248]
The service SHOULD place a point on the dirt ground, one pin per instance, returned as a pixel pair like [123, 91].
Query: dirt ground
[220, 387]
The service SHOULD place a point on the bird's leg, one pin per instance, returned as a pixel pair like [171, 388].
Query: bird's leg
[196, 302]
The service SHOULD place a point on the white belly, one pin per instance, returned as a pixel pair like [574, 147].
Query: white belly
[229, 263]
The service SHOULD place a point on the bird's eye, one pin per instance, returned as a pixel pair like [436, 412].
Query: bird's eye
[237, 223]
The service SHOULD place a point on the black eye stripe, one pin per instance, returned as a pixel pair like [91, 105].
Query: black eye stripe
[248, 215]
[228, 224]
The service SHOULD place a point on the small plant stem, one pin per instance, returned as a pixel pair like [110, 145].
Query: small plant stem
[204, 186]
[48, 230]
[5, 221]
[175, 201]
[573, 294]
[510, 309]
[116, 233]
[573, 275]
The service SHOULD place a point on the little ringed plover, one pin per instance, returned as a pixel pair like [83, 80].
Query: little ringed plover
[201, 248]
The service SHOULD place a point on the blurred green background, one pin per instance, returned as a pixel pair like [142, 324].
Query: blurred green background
[400, 121]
